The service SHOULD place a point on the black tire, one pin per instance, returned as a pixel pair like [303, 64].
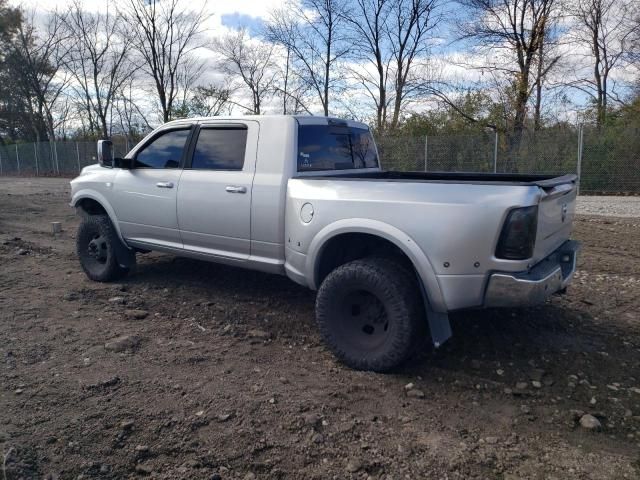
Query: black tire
[96, 245]
[370, 314]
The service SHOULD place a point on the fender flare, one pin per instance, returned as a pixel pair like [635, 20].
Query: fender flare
[404, 242]
[98, 197]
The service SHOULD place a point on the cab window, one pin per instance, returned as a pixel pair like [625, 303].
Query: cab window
[164, 151]
[335, 147]
[220, 148]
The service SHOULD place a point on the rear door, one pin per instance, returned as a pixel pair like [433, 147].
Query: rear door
[144, 197]
[214, 197]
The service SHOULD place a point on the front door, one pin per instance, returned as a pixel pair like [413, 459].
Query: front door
[145, 196]
[214, 197]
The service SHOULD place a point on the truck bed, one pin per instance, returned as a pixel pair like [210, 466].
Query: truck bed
[543, 181]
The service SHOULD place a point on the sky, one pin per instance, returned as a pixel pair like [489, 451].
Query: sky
[226, 15]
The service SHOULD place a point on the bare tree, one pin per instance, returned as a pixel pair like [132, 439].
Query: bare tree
[210, 100]
[512, 32]
[392, 36]
[131, 118]
[546, 60]
[606, 29]
[286, 77]
[293, 91]
[313, 34]
[63, 118]
[98, 59]
[38, 58]
[165, 35]
[368, 24]
[634, 51]
[250, 60]
[188, 74]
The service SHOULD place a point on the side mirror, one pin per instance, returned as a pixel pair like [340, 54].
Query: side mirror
[105, 153]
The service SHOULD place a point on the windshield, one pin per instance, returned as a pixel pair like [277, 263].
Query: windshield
[335, 147]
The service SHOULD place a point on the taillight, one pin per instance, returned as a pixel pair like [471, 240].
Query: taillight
[518, 236]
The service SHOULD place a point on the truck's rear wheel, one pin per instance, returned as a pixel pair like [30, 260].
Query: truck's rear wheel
[369, 313]
[96, 245]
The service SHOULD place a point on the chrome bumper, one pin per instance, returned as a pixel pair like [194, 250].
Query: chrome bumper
[521, 289]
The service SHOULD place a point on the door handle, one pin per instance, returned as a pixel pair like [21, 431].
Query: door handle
[236, 189]
[164, 184]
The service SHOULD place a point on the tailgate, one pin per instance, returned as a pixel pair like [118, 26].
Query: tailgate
[555, 214]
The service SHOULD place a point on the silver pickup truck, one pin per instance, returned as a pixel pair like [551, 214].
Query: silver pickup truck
[389, 253]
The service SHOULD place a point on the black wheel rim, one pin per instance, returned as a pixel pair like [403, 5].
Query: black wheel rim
[364, 321]
[98, 249]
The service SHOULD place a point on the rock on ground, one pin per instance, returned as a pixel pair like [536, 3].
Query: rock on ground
[590, 422]
[122, 344]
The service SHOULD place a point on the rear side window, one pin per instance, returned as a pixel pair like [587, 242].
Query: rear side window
[164, 151]
[220, 148]
[335, 147]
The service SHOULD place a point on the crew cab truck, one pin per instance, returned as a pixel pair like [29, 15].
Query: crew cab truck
[389, 253]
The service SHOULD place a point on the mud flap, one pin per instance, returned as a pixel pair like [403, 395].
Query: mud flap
[439, 326]
[126, 256]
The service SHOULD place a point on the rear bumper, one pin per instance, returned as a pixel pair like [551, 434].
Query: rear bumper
[534, 286]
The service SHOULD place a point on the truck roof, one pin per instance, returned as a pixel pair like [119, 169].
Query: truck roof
[301, 119]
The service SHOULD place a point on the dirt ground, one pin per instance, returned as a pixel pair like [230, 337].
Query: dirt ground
[226, 376]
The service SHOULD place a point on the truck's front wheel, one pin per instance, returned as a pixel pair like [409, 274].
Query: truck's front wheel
[369, 313]
[96, 246]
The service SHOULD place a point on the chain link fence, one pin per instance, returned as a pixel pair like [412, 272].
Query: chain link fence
[607, 160]
[64, 158]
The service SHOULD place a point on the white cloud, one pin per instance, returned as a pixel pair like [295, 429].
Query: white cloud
[216, 8]
[455, 64]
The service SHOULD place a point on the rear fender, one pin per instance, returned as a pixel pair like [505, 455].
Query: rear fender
[388, 232]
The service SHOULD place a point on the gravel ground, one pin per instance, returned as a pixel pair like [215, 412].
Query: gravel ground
[609, 206]
[195, 371]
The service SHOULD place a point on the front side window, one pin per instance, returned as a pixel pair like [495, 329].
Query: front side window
[220, 148]
[165, 151]
[335, 147]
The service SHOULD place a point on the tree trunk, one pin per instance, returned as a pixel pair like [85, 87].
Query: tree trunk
[603, 108]
[596, 72]
[537, 124]
[538, 105]
[286, 81]
[522, 97]
[382, 91]
[327, 68]
[103, 126]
